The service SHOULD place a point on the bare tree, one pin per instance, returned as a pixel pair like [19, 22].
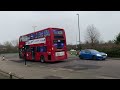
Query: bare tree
[92, 35]
[8, 46]
[110, 42]
[101, 42]
[14, 43]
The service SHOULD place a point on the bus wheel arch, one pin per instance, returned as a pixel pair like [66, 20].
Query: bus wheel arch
[42, 59]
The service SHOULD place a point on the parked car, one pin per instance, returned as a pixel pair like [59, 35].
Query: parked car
[73, 52]
[92, 54]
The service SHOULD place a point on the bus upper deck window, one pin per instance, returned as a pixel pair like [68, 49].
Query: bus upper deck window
[32, 36]
[46, 33]
[40, 34]
[36, 35]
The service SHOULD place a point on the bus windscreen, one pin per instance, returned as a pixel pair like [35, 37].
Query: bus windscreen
[59, 44]
[58, 32]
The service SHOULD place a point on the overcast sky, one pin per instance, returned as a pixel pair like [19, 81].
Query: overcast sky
[16, 23]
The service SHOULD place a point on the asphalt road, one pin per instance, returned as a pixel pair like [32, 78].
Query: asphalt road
[72, 68]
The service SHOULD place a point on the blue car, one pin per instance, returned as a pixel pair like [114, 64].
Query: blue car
[92, 54]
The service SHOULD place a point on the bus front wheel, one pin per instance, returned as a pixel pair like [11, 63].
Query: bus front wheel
[42, 59]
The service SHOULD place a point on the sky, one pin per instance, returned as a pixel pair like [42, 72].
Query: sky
[16, 23]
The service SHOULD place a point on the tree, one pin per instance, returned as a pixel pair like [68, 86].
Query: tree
[110, 42]
[117, 39]
[14, 43]
[101, 42]
[8, 46]
[11, 47]
[92, 35]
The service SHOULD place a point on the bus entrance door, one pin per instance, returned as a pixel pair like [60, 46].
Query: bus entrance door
[33, 53]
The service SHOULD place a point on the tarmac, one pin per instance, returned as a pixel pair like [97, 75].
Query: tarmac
[16, 69]
[32, 71]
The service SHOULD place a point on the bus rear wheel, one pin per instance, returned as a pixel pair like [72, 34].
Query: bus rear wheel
[42, 59]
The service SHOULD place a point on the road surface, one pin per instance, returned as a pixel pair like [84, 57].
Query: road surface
[72, 68]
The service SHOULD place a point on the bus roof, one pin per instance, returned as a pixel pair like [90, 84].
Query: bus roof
[42, 30]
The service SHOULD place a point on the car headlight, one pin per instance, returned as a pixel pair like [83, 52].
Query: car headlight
[106, 54]
[98, 55]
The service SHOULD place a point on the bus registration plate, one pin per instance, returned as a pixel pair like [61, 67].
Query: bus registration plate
[60, 53]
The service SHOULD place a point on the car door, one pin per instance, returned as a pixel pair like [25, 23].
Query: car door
[87, 54]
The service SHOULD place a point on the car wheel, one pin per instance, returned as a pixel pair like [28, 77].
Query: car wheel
[42, 59]
[94, 57]
[104, 59]
[80, 57]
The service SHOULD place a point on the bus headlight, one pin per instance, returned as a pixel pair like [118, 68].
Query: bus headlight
[52, 48]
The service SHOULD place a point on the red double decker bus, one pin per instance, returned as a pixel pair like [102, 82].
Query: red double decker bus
[46, 45]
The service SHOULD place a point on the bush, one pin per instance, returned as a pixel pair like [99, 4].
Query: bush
[111, 49]
[112, 52]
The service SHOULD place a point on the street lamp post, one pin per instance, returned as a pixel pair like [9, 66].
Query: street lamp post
[34, 27]
[76, 42]
[79, 31]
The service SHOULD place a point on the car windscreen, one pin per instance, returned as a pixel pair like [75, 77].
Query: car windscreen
[94, 51]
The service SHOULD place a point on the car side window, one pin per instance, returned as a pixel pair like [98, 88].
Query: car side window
[82, 51]
[86, 51]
